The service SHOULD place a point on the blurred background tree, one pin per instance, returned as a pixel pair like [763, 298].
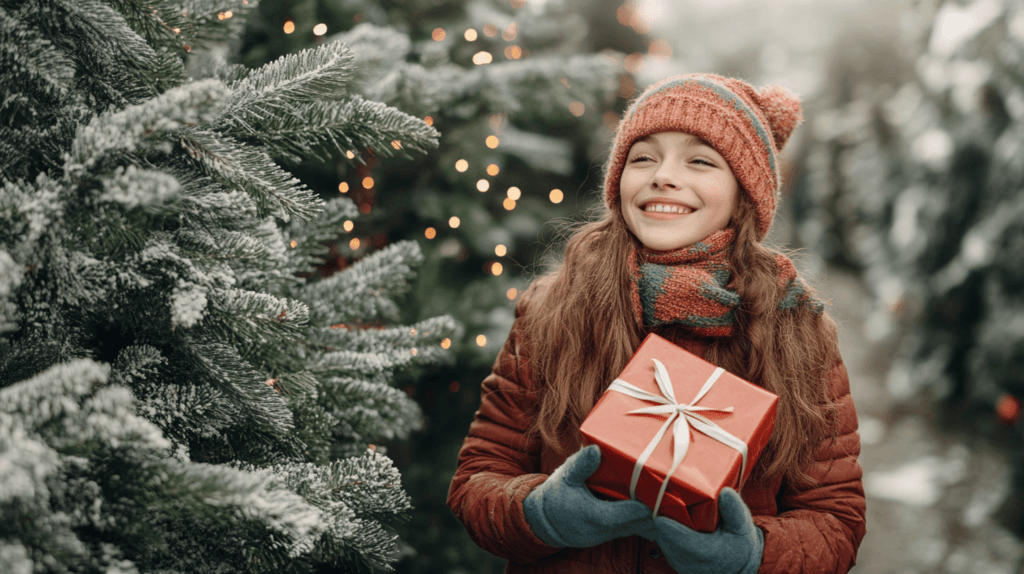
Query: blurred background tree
[915, 178]
[525, 95]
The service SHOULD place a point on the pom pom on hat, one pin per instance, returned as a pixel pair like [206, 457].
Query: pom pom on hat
[748, 127]
[782, 108]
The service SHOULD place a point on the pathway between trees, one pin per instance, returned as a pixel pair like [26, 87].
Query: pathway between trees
[931, 495]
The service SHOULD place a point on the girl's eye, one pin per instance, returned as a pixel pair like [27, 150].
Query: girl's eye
[639, 158]
[703, 161]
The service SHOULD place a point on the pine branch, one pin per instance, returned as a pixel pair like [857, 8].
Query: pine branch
[428, 332]
[518, 87]
[354, 495]
[218, 244]
[311, 237]
[241, 316]
[314, 74]
[131, 187]
[174, 25]
[29, 64]
[376, 50]
[205, 203]
[221, 366]
[275, 191]
[364, 290]
[53, 393]
[317, 128]
[369, 410]
[207, 22]
[374, 362]
[11, 277]
[107, 28]
[126, 130]
[27, 213]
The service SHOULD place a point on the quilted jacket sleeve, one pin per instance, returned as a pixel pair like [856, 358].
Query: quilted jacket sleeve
[498, 465]
[818, 530]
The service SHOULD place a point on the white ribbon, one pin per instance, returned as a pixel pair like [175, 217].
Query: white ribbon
[683, 416]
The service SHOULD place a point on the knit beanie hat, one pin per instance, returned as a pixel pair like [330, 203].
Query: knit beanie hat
[746, 126]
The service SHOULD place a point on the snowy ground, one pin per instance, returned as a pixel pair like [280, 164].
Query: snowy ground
[930, 497]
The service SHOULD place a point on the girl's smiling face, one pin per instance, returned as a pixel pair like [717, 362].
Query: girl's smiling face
[676, 190]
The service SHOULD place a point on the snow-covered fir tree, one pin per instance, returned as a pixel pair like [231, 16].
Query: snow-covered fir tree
[919, 183]
[179, 390]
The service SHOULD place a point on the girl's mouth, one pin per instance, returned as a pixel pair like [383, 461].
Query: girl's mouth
[666, 208]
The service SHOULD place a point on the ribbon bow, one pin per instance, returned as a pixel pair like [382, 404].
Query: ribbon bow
[681, 416]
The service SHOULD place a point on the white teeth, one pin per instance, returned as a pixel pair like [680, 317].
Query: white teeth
[662, 208]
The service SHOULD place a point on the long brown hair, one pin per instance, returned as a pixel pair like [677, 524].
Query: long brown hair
[584, 332]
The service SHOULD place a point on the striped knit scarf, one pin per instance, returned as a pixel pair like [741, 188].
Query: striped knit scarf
[690, 286]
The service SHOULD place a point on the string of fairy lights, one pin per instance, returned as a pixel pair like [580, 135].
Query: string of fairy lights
[628, 14]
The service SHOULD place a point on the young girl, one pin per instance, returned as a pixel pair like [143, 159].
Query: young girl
[691, 187]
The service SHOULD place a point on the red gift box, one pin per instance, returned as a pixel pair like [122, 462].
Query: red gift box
[703, 394]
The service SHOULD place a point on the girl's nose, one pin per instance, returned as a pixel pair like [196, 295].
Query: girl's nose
[665, 178]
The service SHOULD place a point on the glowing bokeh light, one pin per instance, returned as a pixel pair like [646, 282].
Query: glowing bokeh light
[438, 34]
[660, 50]
[611, 120]
[492, 142]
[294, 243]
[509, 34]
[490, 30]
[500, 250]
[626, 87]
[319, 29]
[635, 62]
[512, 294]
[481, 340]
[354, 244]
[429, 120]
[368, 182]
[461, 165]
[577, 108]
[289, 27]
[343, 187]
[430, 233]
[481, 58]
[348, 225]
[493, 169]
[514, 193]
[397, 144]
[483, 185]
[446, 343]
[496, 268]
[350, 154]
[470, 35]
[453, 222]
[509, 203]
[556, 196]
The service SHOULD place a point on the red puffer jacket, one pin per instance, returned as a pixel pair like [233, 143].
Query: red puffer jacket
[806, 530]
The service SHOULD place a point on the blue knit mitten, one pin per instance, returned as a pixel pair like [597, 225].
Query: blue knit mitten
[563, 513]
[735, 548]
